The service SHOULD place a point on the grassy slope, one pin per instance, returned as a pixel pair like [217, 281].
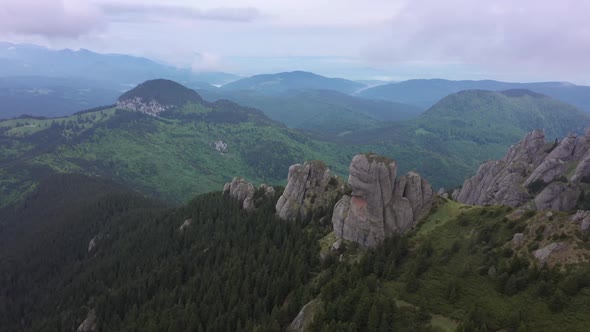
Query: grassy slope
[470, 249]
[452, 222]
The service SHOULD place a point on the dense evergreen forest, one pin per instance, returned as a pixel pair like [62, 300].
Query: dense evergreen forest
[92, 246]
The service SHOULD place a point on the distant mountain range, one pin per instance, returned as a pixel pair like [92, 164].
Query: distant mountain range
[424, 93]
[164, 140]
[325, 111]
[297, 80]
[51, 97]
[118, 70]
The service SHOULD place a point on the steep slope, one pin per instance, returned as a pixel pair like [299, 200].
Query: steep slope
[425, 93]
[325, 111]
[275, 83]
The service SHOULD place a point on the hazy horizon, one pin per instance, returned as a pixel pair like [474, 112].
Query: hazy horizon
[382, 40]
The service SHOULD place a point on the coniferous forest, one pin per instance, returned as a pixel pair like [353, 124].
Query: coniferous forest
[138, 265]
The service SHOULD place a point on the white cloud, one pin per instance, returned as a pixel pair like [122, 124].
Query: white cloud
[50, 18]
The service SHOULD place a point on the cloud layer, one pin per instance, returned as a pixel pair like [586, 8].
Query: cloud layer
[495, 34]
[502, 39]
[51, 18]
[171, 11]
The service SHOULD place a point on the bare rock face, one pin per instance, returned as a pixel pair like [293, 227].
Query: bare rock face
[532, 170]
[559, 196]
[305, 317]
[310, 187]
[499, 182]
[244, 192]
[582, 173]
[582, 218]
[517, 239]
[185, 225]
[542, 254]
[92, 243]
[381, 204]
[137, 104]
[89, 324]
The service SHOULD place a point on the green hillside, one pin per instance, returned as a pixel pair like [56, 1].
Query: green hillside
[173, 157]
[296, 80]
[324, 111]
[425, 93]
[198, 146]
[98, 248]
[502, 116]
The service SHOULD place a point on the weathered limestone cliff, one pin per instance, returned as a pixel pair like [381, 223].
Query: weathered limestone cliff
[381, 204]
[311, 187]
[547, 174]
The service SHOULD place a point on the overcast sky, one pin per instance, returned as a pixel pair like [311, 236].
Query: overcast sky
[524, 40]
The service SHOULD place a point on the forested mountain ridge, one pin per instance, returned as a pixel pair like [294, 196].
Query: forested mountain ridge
[280, 82]
[425, 93]
[210, 265]
[324, 111]
[164, 156]
[210, 143]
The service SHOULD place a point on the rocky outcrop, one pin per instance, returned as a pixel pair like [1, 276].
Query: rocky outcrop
[582, 218]
[92, 243]
[310, 187]
[543, 254]
[137, 104]
[558, 196]
[185, 225]
[89, 324]
[381, 204]
[442, 193]
[517, 239]
[500, 182]
[244, 192]
[305, 317]
[532, 170]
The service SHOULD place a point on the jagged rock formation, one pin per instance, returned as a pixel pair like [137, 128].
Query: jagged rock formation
[244, 192]
[311, 187]
[558, 196]
[381, 204]
[532, 170]
[89, 324]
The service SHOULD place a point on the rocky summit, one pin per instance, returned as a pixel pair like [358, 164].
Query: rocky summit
[381, 204]
[549, 176]
[311, 187]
